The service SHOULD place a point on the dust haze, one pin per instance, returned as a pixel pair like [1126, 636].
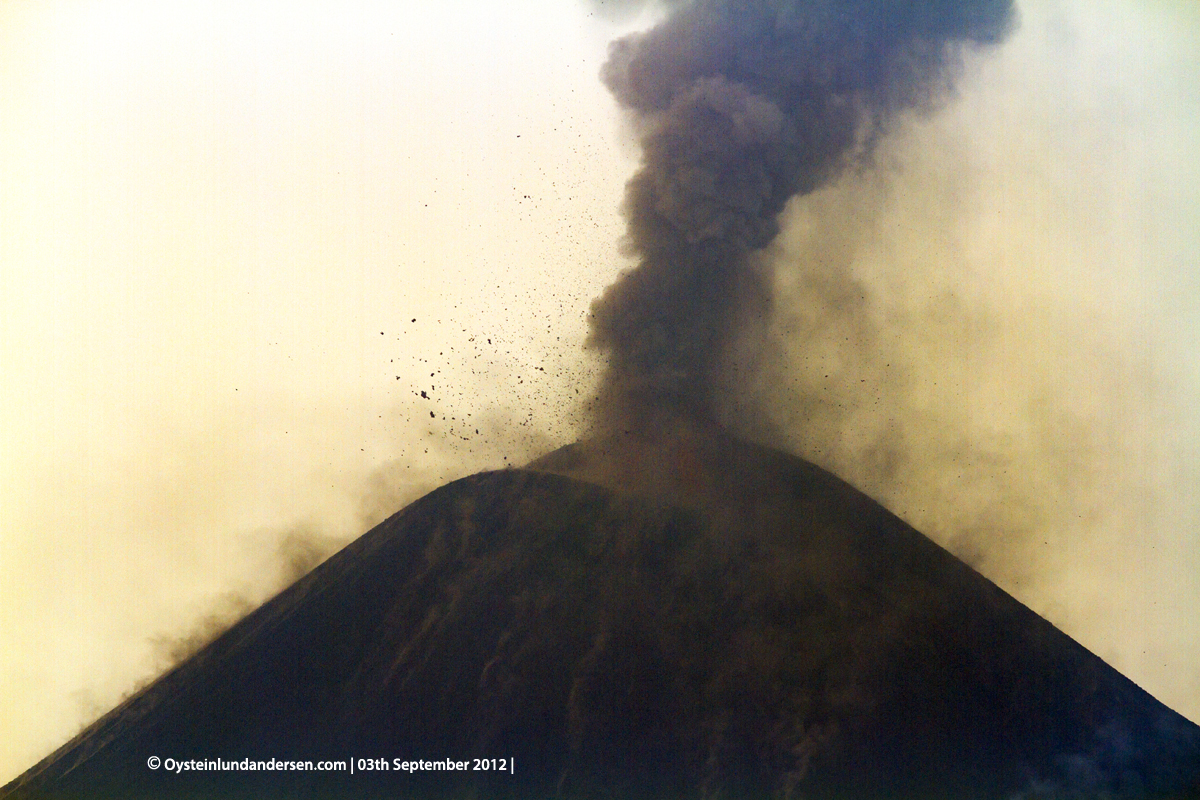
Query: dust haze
[989, 324]
[268, 279]
[1007, 362]
[978, 304]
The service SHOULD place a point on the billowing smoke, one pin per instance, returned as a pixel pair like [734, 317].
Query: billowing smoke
[976, 311]
[741, 106]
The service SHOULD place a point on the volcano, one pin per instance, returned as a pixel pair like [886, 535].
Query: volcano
[660, 612]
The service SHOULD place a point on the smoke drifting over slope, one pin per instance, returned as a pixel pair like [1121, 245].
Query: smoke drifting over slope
[983, 317]
[741, 106]
[94, 526]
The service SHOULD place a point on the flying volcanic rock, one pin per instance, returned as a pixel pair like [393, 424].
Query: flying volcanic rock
[663, 611]
[689, 616]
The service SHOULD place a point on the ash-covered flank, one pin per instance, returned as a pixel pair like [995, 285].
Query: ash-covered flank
[664, 610]
[744, 625]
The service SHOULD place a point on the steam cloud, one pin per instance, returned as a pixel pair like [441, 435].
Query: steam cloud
[741, 106]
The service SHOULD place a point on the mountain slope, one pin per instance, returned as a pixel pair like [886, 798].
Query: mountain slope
[717, 620]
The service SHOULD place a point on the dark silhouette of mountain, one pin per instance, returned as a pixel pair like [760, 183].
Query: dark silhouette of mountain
[675, 613]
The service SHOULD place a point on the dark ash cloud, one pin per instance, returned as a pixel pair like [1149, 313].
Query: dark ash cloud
[741, 106]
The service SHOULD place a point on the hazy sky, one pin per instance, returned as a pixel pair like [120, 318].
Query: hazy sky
[239, 240]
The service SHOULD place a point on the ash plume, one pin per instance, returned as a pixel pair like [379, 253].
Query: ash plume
[739, 107]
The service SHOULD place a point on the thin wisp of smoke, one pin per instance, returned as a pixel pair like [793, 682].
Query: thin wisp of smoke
[740, 107]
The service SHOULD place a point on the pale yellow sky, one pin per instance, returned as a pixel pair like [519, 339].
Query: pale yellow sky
[218, 221]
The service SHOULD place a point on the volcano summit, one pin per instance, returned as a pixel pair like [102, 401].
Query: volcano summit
[664, 610]
[747, 626]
